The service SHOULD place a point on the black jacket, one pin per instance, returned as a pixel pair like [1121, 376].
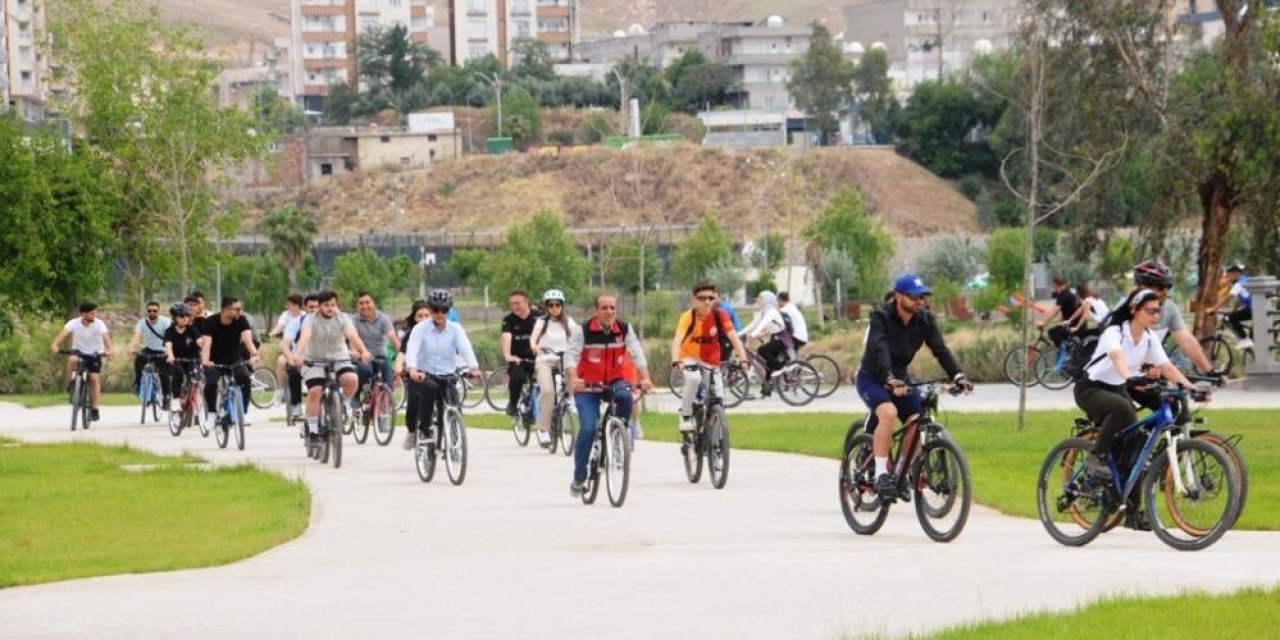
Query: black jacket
[891, 345]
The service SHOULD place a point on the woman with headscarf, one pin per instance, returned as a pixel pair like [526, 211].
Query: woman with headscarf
[780, 348]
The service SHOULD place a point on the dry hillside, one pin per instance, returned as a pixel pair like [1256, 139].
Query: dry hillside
[599, 187]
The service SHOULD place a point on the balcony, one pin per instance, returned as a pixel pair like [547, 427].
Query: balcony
[323, 10]
[553, 37]
[553, 12]
[320, 64]
[752, 59]
[324, 36]
[417, 11]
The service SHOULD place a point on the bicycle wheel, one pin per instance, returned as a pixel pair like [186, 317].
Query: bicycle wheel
[198, 412]
[77, 403]
[424, 458]
[334, 417]
[675, 382]
[941, 481]
[384, 415]
[1020, 366]
[221, 428]
[592, 486]
[144, 395]
[399, 396]
[495, 390]
[1229, 447]
[1051, 372]
[692, 457]
[469, 395]
[1218, 352]
[177, 420]
[863, 510]
[717, 434]
[1197, 515]
[455, 446]
[519, 427]
[828, 374]
[798, 383]
[262, 388]
[360, 428]
[236, 416]
[617, 456]
[1073, 505]
[568, 428]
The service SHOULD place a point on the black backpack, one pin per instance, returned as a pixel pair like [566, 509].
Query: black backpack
[1080, 357]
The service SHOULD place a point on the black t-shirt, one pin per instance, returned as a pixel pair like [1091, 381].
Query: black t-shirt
[226, 338]
[520, 331]
[1068, 302]
[184, 344]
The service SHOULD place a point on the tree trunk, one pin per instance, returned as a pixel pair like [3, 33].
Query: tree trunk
[1217, 201]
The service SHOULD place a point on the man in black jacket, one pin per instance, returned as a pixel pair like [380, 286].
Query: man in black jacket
[898, 330]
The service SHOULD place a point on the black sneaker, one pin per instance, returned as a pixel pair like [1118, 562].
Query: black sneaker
[512, 411]
[95, 416]
[886, 485]
[1098, 467]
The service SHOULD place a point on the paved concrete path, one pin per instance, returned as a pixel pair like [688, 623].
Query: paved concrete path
[510, 555]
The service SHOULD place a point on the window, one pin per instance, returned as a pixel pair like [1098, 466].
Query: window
[475, 53]
[477, 6]
[431, 137]
[520, 7]
[26, 76]
[385, 138]
[326, 169]
[477, 29]
[522, 28]
[404, 160]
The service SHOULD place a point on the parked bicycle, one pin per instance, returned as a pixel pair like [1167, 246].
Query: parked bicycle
[445, 437]
[610, 454]
[149, 388]
[333, 416]
[81, 391]
[929, 467]
[710, 436]
[190, 398]
[229, 407]
[1189, 495]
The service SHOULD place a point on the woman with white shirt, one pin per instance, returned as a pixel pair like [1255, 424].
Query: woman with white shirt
[778, 350]
[551, 332]
[1092, 307]
[1126, 344]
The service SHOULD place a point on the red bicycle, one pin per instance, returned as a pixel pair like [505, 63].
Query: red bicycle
[377, 408]
[190, 397]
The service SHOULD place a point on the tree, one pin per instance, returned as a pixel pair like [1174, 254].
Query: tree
[362, 270]
[388, 57]
[533, 60]
[820, 80]
[272, 113]
[839, 274]
[142, 95]
[521, 118]
[873, 93]
[537, 256]
[290, 231]
[769, 252]
[339, 105]
[465, 264]
[621, 263]
[951, 258]
[845, 225]
[1004, 259]
[58, 236]
[256, 280]
[936, 124]
[695, 255]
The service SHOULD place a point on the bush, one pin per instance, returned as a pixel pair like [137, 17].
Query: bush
[562, 137]
[970, 187]
[846, 225]
[597, 126]
[1005, 258]
[951, 258]
[763, 283]
[944, 291]
[986, 299]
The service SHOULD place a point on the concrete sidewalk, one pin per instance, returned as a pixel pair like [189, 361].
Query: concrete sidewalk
[510, 555]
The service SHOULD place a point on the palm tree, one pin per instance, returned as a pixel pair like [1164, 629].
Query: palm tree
[290, 231]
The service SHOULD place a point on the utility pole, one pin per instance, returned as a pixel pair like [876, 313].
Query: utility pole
[495, 80]
[937, 19]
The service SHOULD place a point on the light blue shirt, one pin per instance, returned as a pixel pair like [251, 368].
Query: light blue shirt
[151, 341]
[293, 328]
[436, 351]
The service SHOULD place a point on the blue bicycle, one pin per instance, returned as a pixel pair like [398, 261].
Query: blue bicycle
[1051, 366]
[230, 406]
[149, 387]
[1190, 492]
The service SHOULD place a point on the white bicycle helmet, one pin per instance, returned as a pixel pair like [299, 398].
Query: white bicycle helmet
[553, 295]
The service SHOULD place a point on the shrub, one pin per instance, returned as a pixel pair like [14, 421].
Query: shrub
[951, 258]
[970, 187]
[562, 137]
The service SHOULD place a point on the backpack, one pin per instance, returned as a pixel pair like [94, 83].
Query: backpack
[722, 319]
[1080, 358]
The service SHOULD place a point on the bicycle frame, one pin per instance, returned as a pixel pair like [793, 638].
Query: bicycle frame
[908, 436]
[1163, 426]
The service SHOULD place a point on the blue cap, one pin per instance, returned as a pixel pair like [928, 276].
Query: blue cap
[912, 285]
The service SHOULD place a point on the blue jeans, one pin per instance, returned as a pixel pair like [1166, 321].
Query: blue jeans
[589, 418]
[365, 370]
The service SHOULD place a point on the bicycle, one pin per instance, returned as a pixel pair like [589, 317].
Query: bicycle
[262, 387]
[710, 437]
[81, 391]
[829, 374]
[1071, 495]
[523, 421]
[1220, 351]
[930, 469]
[333, 416]
[229, 406]
[447, 436]
[737, 382]
[796, 382]
[377, 408]
[610, 452]
[1020, 364]
[149, 388]
[1051, 365]
[564, 416]
[190, 397]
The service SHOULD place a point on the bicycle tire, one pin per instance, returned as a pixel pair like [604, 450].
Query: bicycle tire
[617, 455]
[262, 387]
[455, 445]
[144, 393]
[675, 382]
[717, 439]
[591, 487]
[384, 415]
[519, 427]
[1237, 462]
[176, 422]
[334, 419]
[200, 415]
[1020, 364]
[799, 386]
[221, 430]
[1064, 469]
[928, 477]
[1159, 489]
[1049, 374]
[1219, 353]
[399, 395]
[568, 428]
[736, 386]
[857, 482]
[495, 390]
[829, 375]
[469, 395]
[692, 457]
[77, 402]
[424, 459]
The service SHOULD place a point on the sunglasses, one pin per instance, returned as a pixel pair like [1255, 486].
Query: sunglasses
[707, 298]
[153, 311]
[1152, 311]
[553, 305]
[440, 311]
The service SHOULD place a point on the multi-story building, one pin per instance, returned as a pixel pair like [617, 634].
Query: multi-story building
[760, 56]
[557, 27]
[26, 74]
[323, 32]
[485, 27]
[661, 45]
[4, 59]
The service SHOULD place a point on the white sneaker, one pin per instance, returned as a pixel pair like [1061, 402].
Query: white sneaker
[637, 430]
[246, 422]
[175, 406]
[686, 425]
[410, 441]
[544, 437]
[1245, 344]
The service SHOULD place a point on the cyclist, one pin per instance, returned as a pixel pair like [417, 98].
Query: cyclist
[1065, 302]
[1157, 277]
[799, 328]
[600, 354]
[418, 314]
[149, 334]
[431, 354]
[517, 326]
[1128, 342]
[1092, 307]
[780, 348]
[292, 310]
[1244, 305]
[376, 330]
[289, 337]
[550, 332]
[222, 337]
[327, 335]
[897, 331]
[697, 342]
[181, 340]
[195, 302]
[90, 336]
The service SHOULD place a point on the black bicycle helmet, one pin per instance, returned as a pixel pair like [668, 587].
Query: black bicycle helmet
[180, 309]
[440, 300]
[1153, 273]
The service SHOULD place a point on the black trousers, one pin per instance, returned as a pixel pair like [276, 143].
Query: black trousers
[211, 387]
[518, 375]
[1058, 334]
[1112, 408]
[425, 401]
[774, 354]
[294, 377]
[1236, 319]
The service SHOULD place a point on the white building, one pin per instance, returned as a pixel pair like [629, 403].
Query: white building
[760, 56]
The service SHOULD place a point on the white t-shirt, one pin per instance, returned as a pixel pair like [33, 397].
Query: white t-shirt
[799, 330]
[1146, 350]
[1098, 309]
[87, 339]
[555, 338]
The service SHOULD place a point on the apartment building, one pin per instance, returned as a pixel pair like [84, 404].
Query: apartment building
[557, 27]
[25, 80]
[760, 56]
[661, 44]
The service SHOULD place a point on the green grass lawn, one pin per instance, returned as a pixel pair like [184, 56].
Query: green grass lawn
[1003, 460]
[1251, 613]
[70, 511]
[39, 400]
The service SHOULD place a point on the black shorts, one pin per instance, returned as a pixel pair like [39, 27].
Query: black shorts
[93, 364]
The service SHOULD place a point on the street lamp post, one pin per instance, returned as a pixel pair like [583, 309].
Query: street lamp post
[495, 81]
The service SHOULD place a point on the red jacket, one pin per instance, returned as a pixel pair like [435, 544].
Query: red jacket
[604, 353]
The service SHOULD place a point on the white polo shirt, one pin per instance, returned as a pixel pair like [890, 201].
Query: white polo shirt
[87, 339]
[1146, 350]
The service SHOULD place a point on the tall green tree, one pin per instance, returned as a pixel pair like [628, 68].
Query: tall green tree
[521, 118]
[624, 260]
[821, 81]
[533, 60]
[873, 94]
[936, 125]
[769, 252]
[362, 270]
[142, 95]
[537, 255]
[291, 230]
[695, 256]
[846, 225]
[388, 57]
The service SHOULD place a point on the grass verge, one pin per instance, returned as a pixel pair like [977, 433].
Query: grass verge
[1003, 460]
[71, 511]
[40, 400]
